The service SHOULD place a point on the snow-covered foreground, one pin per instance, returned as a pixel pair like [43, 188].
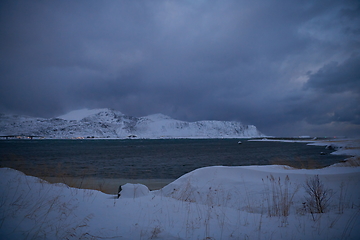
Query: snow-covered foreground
[208, 203]
[247, 202]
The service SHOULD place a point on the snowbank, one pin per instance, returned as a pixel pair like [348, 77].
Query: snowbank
[252, 202]
[350, 147]
[130, 190]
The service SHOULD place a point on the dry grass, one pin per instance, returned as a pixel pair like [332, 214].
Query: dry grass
[298, 163]
[351, 162]
[279, 195]
[39, 210]
[318, 196]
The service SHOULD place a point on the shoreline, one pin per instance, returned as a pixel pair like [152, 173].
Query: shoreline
[349, 147]
[106, 185]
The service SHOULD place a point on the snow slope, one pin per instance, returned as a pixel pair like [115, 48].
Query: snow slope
[208, 203]
[107, 123]
[82, 113]
[164, 126]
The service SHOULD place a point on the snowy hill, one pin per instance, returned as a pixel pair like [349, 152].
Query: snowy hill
[108, 123]
[83, 113]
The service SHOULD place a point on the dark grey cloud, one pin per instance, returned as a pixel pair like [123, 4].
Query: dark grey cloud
[289, 67]
[337, 78]
[335, 92]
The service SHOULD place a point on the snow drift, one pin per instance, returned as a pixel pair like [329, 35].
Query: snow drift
[208, 203]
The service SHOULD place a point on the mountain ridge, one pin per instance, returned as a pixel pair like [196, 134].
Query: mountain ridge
[109, 123]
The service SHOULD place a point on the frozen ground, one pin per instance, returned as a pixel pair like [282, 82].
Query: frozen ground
[252, 202]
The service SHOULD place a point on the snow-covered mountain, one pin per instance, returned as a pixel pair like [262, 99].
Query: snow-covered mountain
[107, 123]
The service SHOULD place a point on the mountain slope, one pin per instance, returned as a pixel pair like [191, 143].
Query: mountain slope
[107, 123]
[83, 113]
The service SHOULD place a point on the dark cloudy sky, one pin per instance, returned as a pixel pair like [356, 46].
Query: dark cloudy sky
[288, 67]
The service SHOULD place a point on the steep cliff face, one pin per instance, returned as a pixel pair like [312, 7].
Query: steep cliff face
[107, 123]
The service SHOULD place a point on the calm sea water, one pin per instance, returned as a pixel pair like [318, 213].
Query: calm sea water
[151, 159]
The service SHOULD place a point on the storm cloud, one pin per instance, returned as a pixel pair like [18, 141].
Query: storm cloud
[288, 67]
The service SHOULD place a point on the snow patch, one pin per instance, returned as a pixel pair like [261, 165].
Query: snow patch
[82, 113]
[130, 190]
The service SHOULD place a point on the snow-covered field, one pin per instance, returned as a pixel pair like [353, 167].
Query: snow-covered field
[247, 202]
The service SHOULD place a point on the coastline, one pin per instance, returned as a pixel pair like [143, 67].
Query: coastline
[349, 147]
[107, 185]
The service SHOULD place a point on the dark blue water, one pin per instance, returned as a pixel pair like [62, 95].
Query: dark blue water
[151, 159]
